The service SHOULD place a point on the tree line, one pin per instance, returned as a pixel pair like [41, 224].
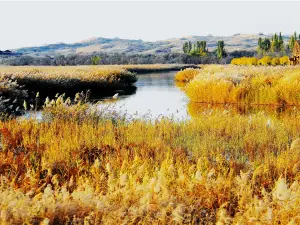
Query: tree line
[199, 49]
[117, 58]
[276, 46]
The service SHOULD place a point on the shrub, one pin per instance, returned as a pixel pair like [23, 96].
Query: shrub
[275, 61]
[265, 61]
[186, 75]
[284, 60]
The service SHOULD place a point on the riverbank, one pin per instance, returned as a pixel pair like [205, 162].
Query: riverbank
[158, 67]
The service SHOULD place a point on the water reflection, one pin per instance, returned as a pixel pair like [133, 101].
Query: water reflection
[196, 109]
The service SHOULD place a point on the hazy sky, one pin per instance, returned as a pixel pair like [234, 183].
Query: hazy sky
[38, 23]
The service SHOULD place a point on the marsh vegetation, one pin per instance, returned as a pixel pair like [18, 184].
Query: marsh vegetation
[85, 164]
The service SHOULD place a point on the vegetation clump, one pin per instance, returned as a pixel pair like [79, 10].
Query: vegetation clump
[70, 77]
[246, 85]
[12, 97]
[186, 75]
[264, 61]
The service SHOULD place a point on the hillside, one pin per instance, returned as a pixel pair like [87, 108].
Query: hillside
[116, 45]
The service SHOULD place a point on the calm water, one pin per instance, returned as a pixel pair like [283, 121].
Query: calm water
[156, 96]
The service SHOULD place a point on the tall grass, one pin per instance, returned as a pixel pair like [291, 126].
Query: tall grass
[146, 68]
[186, 75]
[70, 76]
[249, 85]
[82, 167]
[12, 96]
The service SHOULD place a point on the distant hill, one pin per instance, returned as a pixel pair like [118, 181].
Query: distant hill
[116, 45]
[9, 53]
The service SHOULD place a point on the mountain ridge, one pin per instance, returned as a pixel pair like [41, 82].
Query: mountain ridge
[236, 42]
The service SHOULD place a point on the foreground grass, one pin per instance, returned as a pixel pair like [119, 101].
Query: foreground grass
[81, 167]
[246, 85]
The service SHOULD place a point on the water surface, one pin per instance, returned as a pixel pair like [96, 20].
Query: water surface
[156, 96]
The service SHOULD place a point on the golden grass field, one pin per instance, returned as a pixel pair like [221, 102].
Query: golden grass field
[84, 166]
[265, 85]
[68, 76]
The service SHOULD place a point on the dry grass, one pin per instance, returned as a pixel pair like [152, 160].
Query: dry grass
[81, 168]
[247, 85]
[69, 76]
[186, 75]
[144, 68]
[12, 96]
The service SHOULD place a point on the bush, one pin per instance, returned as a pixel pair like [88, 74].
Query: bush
[186, 75]
[284, 60]
[275, 61]
[245, 61]
[265, 61]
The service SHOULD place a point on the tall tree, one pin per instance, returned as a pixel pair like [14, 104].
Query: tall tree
[292, 41]
[281, 43]
[187, 47]
[202, 48]
[264, 45]
[275, 44]
[220, 49]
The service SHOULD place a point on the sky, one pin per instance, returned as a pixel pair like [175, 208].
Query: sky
[26, 24]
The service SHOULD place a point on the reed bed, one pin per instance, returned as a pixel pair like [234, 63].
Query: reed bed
[146, 68]
[12, 96]
[82, 166]
[246, 85]
[69, 77]
[186, 75]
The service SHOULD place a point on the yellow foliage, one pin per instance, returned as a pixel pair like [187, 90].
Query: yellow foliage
[186, 75]
[275, 61]
[254, 85]
[81, 168]
[284, 60]
[265, 61]
[244, 61]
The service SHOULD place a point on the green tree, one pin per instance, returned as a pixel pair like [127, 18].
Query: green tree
[281, 43]
[275, 44]
[187, 47]
[95, 59]
[264, 45]
[195, 50]
[220, 50]
[292, 41]
[202, 48]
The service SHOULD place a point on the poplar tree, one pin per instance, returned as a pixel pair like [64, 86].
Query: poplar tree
[220, 49]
